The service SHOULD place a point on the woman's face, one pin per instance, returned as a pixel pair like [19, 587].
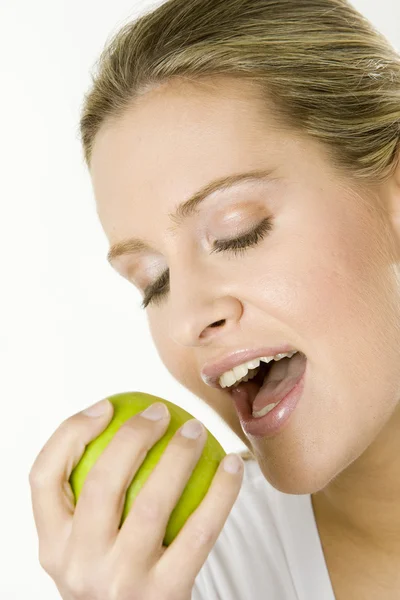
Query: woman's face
[319, 281]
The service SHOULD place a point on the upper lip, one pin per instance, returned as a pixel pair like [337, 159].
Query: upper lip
[212, 370]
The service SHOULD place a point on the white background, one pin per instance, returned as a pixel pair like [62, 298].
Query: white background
[72, 331]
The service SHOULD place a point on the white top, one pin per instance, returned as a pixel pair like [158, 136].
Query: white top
[269, 548]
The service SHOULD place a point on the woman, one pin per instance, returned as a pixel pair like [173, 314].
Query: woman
[292, 110]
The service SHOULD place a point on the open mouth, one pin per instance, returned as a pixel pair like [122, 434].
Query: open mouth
[274, 379]
[263, 371]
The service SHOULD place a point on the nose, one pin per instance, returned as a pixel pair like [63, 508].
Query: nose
[201, 311]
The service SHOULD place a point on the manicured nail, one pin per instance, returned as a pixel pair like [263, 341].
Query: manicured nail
[155, 412]
[232, 463]
[97, 409]
[192, 429]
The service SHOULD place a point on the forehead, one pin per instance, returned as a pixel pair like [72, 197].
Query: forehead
[174, 140]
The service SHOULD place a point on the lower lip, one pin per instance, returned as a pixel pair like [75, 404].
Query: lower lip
[274, 421]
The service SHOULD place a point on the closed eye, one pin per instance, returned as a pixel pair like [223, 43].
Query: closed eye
[158, 290]
[240, 244]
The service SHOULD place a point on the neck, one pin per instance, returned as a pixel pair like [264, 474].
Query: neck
[363, 502]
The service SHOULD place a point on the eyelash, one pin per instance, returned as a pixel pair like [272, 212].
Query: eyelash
[237, 246]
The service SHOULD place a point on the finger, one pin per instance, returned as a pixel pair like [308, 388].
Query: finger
[145, 525]
[51, 493]
[190, 549]
[99, 508]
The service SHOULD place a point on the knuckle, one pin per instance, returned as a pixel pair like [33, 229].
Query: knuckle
[38, 477]
[48, 561]
[202, 536]
[71, 427]
[65, 426]
[149, 509]
[135, 435]
[37, 468]
[134, 428]
[97, 484]
[75, 582]
[128, 432]
[101, 484]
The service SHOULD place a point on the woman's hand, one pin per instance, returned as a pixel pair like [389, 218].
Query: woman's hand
[82, 548]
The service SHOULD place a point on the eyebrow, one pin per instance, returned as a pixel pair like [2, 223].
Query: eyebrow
[189, 207]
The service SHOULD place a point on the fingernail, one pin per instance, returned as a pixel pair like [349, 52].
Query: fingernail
[97, 409]
[192, 429]
[155, 412]
[232, 463]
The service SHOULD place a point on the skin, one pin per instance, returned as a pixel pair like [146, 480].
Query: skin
[325, 280]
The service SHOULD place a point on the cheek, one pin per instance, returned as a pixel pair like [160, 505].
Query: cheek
[323, 276]
[328, 290]
[339, 293]
[307, 291]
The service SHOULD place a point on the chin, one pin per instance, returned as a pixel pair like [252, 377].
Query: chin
[294, 481]
[307, 468]
[303, 467]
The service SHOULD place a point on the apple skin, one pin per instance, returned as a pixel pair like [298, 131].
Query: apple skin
[126, 405]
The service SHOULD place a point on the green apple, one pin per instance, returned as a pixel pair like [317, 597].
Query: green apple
[126, 405]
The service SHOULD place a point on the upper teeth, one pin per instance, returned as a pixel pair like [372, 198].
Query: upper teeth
[249, 369]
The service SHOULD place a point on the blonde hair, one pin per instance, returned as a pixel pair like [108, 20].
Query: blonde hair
[319, 65]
